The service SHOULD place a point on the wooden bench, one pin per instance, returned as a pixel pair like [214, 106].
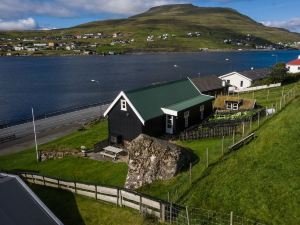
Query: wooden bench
[244, 141]
[108, 155]
[111, 152]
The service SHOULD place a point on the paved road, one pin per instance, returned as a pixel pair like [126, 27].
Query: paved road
[47, 129]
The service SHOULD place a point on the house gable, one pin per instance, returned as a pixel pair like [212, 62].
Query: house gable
[117, 99]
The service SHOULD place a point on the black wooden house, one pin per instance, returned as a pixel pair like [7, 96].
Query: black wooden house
[156, 110]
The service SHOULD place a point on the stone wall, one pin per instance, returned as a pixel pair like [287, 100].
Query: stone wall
[153, 159]
[45, 155]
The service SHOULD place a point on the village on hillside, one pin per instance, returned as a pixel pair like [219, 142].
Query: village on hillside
[101, 43]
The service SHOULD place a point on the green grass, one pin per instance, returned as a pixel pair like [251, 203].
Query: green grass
[261, 180]
[88, 136]
[274, 94]
[71, 168]
[74, 209]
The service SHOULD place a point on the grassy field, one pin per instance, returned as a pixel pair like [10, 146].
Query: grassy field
[71, 168]
[73, 209]
[261, 180]
[87, 136]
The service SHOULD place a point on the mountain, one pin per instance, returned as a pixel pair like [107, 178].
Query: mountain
[208, 28]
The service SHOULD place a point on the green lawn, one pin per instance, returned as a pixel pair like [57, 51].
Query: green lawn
[261, 180]
[274, 94]
[71, 168]
[74, 209]
[87, 136]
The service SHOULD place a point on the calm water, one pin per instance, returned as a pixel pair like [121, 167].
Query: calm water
[54, 83]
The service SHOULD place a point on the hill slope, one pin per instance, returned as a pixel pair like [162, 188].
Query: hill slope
[260, 180]
[214, 25]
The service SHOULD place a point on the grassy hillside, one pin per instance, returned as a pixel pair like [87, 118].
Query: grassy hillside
[261, 180]
[214, 24]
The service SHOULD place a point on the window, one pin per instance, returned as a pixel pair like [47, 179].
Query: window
[235, 106]
[242, 83]
[123, 105]
[228, 81]
[186, 119]
[232, 105]
[228, 105]
[202, 112]
[298, 67]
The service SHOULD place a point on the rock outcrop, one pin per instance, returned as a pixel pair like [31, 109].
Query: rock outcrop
[153, 159]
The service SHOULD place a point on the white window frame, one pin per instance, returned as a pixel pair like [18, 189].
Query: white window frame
[235, 106]
[123, 105]
[228, 105]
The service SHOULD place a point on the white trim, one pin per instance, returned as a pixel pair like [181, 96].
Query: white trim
[194, 85]
[169, 112]
[35, 198]
[232, 73]
[122, 94]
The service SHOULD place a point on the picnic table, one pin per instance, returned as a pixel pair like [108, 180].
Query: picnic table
[111, 151]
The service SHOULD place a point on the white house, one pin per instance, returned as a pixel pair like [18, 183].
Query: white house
[241, 80]
[294, 66]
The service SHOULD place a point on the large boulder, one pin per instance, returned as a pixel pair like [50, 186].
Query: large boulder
[153, 159]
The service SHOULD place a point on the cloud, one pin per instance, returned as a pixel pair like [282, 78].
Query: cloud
[20, 24]
[292, 24]
[74, 8]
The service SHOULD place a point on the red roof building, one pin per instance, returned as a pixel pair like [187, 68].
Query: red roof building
[294, 65]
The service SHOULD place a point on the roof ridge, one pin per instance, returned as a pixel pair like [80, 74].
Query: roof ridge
[200, 95]
[155, 85]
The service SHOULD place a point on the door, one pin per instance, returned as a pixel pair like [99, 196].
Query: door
[169, 124]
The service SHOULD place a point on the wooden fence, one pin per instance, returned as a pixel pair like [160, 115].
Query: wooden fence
[208, 132]
[118, 196]
[163, 210]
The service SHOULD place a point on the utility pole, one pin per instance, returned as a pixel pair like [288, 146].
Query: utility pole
[34, 131]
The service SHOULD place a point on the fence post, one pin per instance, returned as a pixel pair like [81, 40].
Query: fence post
[44, 180]
[280, 103]
[190, 173]
[187, 215]
[243, 128]
[96, 192]
[222, 145]
[120, 198]
[75, 187]
[250, 124]
[233, 136]
[258, 115]
[231, 218]
[206, 157]
[140, 204]
[168, 196]
[170, 213]
[162, 212]
[268, 95]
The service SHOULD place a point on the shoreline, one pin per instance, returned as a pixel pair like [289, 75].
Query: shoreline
[159, 52]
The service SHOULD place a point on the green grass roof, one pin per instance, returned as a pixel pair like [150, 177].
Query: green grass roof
[148, 101]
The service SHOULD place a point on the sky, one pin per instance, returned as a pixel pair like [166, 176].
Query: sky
[50, 14]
